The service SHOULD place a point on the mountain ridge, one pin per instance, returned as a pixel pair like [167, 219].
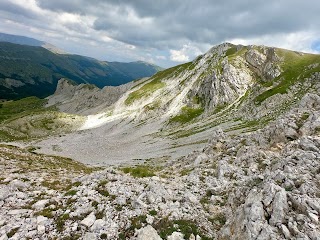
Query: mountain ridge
[22, 40]
[35, 71]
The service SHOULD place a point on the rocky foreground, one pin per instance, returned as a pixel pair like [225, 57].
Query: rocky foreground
[259, 185]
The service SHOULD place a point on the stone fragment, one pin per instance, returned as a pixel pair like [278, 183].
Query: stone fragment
[89, 236]
[147, 233]
[98, 224]
[19, 211]
[40, 204]
[314, 218]
[89, 220]
[279, 206]
[41, 229]
[4, 237]
[176, 236]
[285, 231]
[41, 219]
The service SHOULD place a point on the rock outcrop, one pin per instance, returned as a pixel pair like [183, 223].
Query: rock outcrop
[85, 99]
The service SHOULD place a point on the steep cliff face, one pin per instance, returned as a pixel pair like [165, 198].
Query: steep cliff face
[85, 99]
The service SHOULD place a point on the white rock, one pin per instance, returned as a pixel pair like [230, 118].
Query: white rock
[4, 192]
[89, 220]
[138, 204]
[315, 205]
[98, 224]
[40, 204]
[18, 211]
[202, 157]
[192, 237]
[150, 197]
[155, 178]
[314, 218]
[31, 234]
[286, 231]
[21, 195]
[279, 206]
[176, 236]
[191, 197]
[74, 226]
[4, 237]
[89, 236]
[41, 220]
[18, 184]
[150, 219]
[147, 233]
[41, 229]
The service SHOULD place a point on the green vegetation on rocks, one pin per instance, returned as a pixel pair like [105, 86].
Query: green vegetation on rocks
[28, 119]
[146, 90]
[155, 82]
[187, 114]
[296, 67]
[139, 171]
[16, 109]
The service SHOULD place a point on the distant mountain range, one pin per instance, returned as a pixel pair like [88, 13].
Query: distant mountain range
[29, 67]
[22, 40]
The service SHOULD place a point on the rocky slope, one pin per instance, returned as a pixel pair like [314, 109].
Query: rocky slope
[85, 99]
[224, 147]
[259, 185]
[235, 88]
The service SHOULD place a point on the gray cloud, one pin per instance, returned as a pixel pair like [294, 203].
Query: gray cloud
[200, 21]
[165, 25]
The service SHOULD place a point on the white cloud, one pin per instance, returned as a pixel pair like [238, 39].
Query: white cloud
[161, 57]
[186, 53]
[178, 56]
[298, 41]
[172, 32]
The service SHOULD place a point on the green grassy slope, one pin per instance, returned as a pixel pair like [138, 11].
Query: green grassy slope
[27, 119]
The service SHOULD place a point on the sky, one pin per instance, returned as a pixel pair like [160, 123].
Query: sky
[163, 32]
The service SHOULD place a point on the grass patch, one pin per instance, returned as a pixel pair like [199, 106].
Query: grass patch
[47, 212]
[156, 83]
[103, 192]
[136, 223]
[99, 215]
[153, 212]
[139, 171]
[231, 51]
[12, 232]
[60, 221]
[55, 184]
[71, 193]
[166, 227]
[20, 108]
[218, 221]
[28, 119]
[187, 114]
[219, 108]
[144, 91]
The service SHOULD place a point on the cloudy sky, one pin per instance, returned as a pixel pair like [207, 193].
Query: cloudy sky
[164, 32]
